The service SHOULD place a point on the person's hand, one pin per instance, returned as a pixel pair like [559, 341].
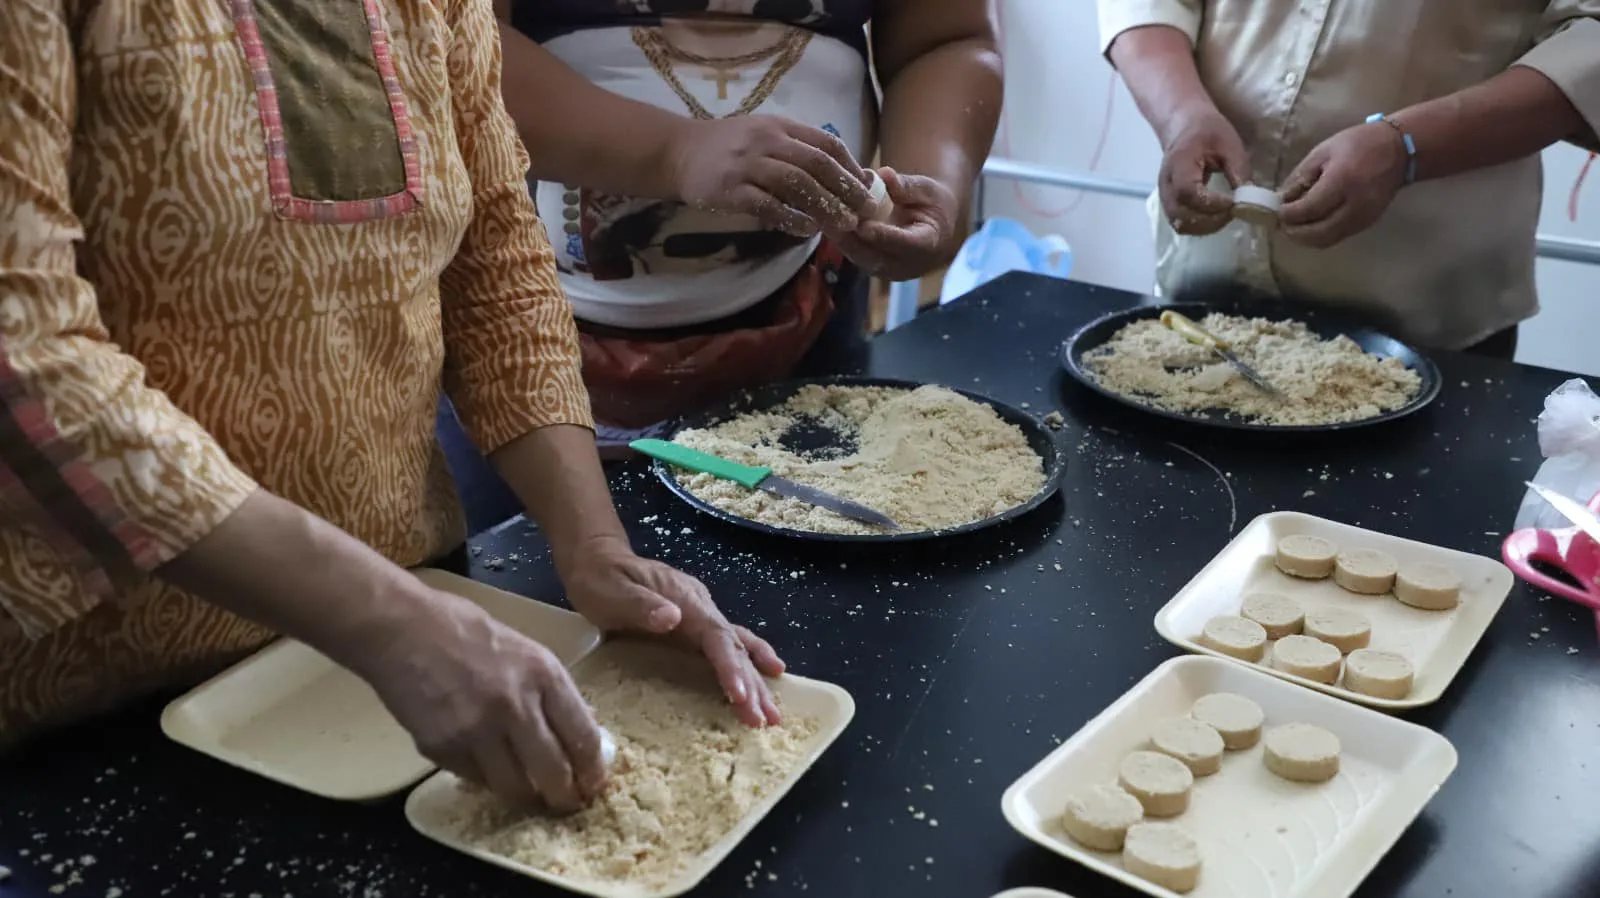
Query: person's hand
[490, 705]
[791, 177]
[1343, 185]
[621, 592]
[917, 237]
[1202, 146]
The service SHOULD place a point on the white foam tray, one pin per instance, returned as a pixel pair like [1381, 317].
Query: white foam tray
[1032, 893]
[290, 714]
[1436, 643]
[1260, 836]
[434, 806]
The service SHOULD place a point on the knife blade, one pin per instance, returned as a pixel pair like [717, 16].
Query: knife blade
[1571, 509]
[760, 479]
[1199, 336]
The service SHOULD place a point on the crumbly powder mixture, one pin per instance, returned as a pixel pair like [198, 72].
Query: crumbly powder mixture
[1326, 381]
[686, 773]
[929, 458]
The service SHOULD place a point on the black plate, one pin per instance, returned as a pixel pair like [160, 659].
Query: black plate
[1321, 322]
[1040, 438]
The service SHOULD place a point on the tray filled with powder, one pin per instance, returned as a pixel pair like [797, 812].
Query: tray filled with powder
[938, 460]
[1333, 371]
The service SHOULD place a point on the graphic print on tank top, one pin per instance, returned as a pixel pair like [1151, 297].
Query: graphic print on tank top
[645, 262]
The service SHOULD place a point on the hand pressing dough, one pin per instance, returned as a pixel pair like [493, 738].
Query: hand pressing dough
[1341, 628]
[1236, 719]
[1367, 572]
[1160, 783]
[1194, 743]
[1431, 587]
[1279, 615]
[1302, 753]
[1235, 637]
[1378, 674]
[1163, 854]
[1306, 557]
[1099, 817]
[1306, 656]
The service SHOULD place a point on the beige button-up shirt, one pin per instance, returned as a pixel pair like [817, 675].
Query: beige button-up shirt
[1452, 259]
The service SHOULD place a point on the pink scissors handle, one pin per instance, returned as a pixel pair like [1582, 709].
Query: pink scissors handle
[1568, 550]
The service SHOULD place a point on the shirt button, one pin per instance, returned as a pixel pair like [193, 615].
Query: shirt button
[1290, 78]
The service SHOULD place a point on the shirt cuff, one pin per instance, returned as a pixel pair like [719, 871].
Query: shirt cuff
[1117, 16]
[1571, 59]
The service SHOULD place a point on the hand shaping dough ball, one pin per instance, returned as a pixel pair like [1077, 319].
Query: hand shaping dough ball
[1236, 719]
[1378, 674]
[1306, 557]
[1306, 656]
[1431, 587]
[1099, 817]
[1163, 854]
[1302, 753]
[1235, 637]
[1194, 743]
[1341, 628]
[1366, 572]
[1279, 615]
[1160, 783]
[878, 203]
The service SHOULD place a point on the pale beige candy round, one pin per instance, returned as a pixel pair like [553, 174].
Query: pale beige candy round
[1235, 637]
[1161, 783]
[1279, 615]
[1431, 587]
[1341, 628]
[1307, 656]
[1378, 674]
[1162, 854]
[1301, 752]
[878, 203]
[1236, 719]
[1367, 572]
[1099, 817]
[1194, 743]
[1306, 557]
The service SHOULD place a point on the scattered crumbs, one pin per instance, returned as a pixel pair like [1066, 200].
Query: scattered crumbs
[1057, 566]
[844, 804]
[927, 787]
[927, 860]
[794, 575]
[933, 823]
[1387, 476]
[686, 531]
[5, 873]
[1534, 634]
[1054, 421]
[1026, 405]
[1544, 629]
[988, 587]
[1308, 494]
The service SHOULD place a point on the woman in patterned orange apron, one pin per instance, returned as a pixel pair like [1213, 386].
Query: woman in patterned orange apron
[245, 246]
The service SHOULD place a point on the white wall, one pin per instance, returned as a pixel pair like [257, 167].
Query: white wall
[1057, 86]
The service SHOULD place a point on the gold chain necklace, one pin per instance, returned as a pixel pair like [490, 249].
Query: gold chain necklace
[661, 53]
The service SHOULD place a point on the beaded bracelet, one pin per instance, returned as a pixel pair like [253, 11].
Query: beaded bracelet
[1405, 141]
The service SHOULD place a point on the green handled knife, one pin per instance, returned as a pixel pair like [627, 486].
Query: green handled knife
[759, 479]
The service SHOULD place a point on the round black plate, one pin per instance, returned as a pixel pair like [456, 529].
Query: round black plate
[1040, 438]
[1323, 323]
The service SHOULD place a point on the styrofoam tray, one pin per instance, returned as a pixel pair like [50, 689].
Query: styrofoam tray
[1436, 643]
[434, 806]
[290, 714]
[1259, 835]
[1032, 893]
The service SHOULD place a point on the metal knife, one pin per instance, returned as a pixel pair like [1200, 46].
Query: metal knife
[1570, 509]
[759, 479]
[1199, 336]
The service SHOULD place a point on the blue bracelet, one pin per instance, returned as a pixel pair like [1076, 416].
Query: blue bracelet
[1405, 140]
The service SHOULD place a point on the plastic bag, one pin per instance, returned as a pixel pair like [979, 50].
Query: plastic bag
[1569, 440]
[1003, 245]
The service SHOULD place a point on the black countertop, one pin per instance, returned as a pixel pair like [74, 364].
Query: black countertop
[970, 660]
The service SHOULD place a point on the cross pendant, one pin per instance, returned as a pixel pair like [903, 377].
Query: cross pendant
[722, 77]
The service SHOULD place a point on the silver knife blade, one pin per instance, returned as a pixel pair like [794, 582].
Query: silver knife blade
[1570, 509]
[1249, 373]
[780, 486]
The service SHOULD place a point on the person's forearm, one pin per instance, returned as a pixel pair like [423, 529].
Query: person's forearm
[940, 112]
[579, 133]
[1157, 64]
[556, 473]
[1516, 113]
[283, 567]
